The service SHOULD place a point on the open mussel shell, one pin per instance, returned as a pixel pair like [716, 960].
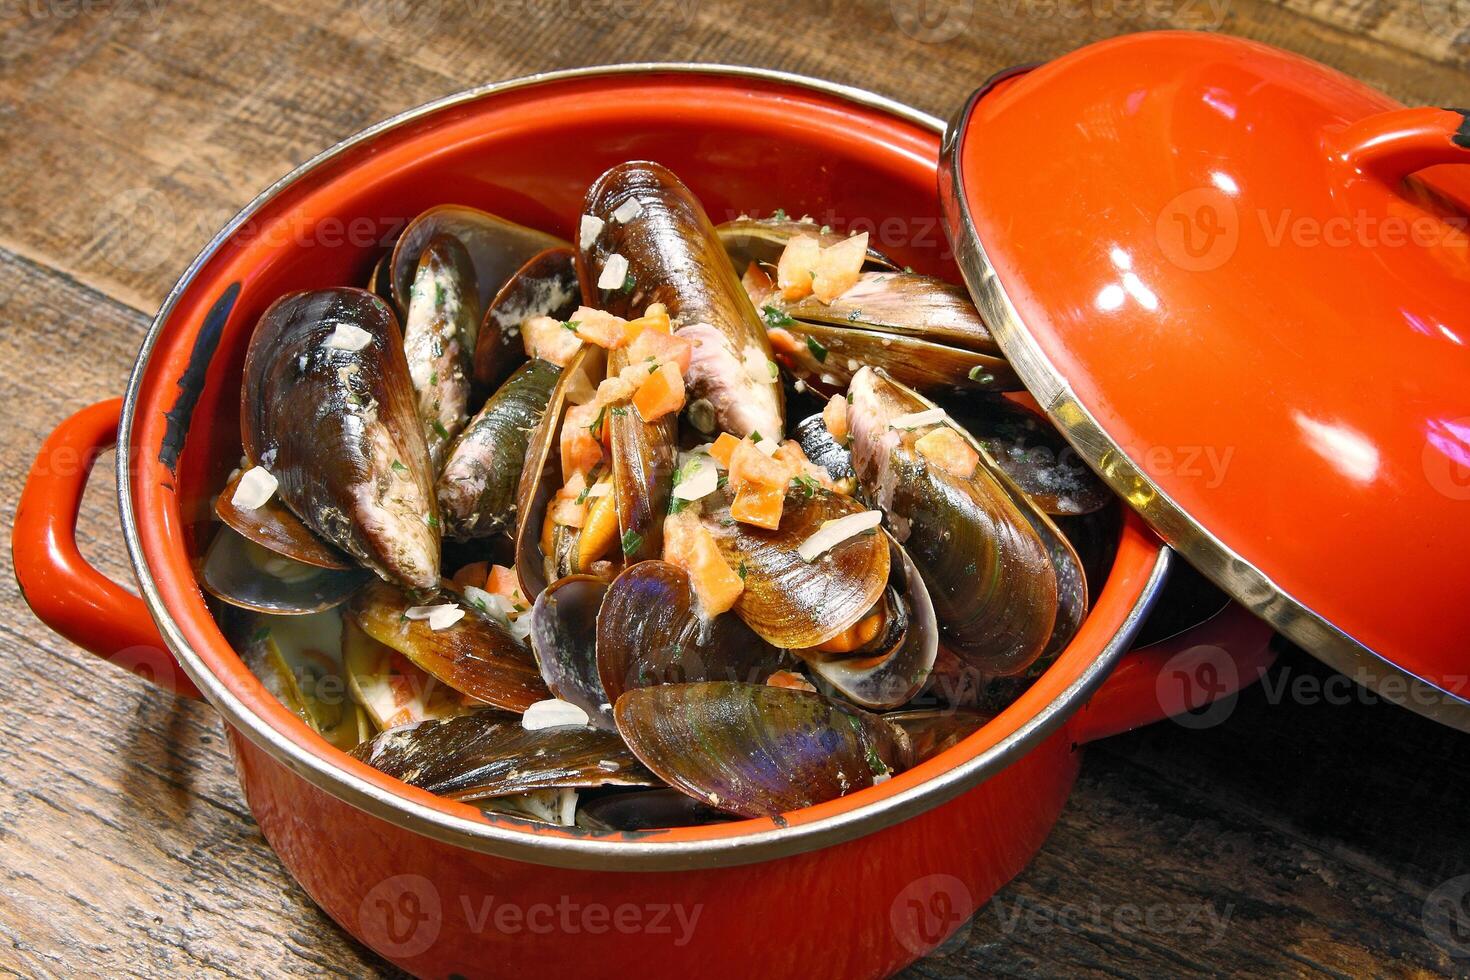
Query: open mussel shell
[675, 258]
[390, 688]
[380, 282]
[762, 240]
[650, 631]
[248, 576]
[564, 638]
[791, 602]
[298, 660]
[475, 656]
[328, 408]
[645, 809]
[887, 677]
[933, 730]
[497, 247]
[989, 573]
[757, 750]
[903, 303]
[545, 286]
[487, 754]
[274, 527]
[1031, 451]
[644, 456]
[439, 339]
[477, 488]
[541, 475]
[826, 356]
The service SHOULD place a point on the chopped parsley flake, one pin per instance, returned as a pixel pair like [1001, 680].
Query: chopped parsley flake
[628, 283]
[776, 317]
[632, 541]
[807, 483]
[431, 520]
[571, 325]
[980, 374]
[818, 351]
[439, 429]
[399, 467]
[780, 215]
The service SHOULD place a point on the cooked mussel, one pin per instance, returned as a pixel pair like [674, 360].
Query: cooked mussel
[247, 576]
[497, 247]
[390, 688]
[564, 638]
[650, 631]
[487, 754]
[472, 653]
[827, 356]
[656, 231]
[477, 488]
[762, 240]
[644, 456]
[791, 602]
[1032, 453]
[645, 809]
[297, 659]
[274, 527]
[328, 409]
[757, 750]
[890, 668]
[989, 573]
[545, 286]
[933, 730]
[820, 447]
[439, 339]
[906, 304]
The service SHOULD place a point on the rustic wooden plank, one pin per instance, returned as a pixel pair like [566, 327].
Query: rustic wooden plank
[129, 132]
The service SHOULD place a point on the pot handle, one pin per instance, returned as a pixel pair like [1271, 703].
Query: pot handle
[1391, 145]
[1178, 675]
[65, 592]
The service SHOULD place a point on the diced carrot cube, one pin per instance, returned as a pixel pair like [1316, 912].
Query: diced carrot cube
[661, 394]
[724, 448]
[655, 319]
[758, 505]
[797, 266]
[948, 450]
[834, 417]
[472, 574]
[549, 340]
[580, 450]
[652, 347]
[689, 544]
[600, 327]
[614, 390]
[503, 581]
[790, 680]
[748, 465]
[839, 267]
[783, 341]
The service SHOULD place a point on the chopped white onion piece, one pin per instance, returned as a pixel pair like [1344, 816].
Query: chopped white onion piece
[628, 210]
[768, 446]
[614, 272]
[699, 482]
[256, 486]
[609, 765]
[760, 368]
[349, 337]
[833, 533]
[444, 617]
[915, 419]
[591, 228]
[600, 489]
[553, 713]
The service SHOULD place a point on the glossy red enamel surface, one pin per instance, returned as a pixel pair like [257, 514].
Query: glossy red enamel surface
[1219, 247]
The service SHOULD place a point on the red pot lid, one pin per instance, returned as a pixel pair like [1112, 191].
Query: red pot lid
[1240, 282]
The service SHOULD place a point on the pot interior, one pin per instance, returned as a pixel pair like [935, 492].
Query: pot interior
[528, 152]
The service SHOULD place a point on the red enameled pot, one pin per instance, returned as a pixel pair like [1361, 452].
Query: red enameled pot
[859, 886]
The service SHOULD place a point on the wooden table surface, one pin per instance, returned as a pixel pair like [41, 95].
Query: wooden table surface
[1306, 835]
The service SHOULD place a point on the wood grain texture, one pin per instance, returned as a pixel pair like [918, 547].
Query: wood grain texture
[1296, 838]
